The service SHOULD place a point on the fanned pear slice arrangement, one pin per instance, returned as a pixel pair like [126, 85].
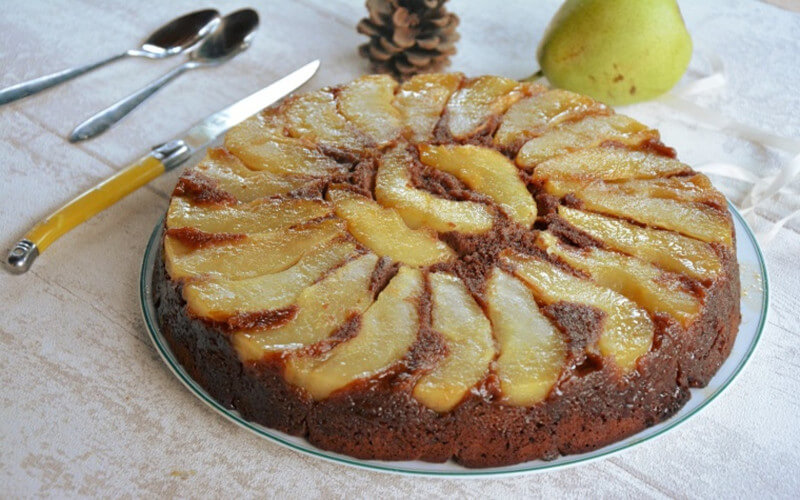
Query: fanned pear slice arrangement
[261, 145]
[248, 255]
[485, 171]
[533, 116]
[258, 216]
[671, 251]
[695, 188]
[229, 174]
[387, 331]
[471, 109]
[532, 351]
[627, 330]
[419, 208]
[639, 281]
[322, 308]
[609, 164]
[315, 117]
[643, 187]
[421, 101]
[697, 220]
[367, 104]
[470, 346]
[383, 231]
[592, 131]
[220, 299]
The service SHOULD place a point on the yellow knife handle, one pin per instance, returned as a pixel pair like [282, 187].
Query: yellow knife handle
[82, 208]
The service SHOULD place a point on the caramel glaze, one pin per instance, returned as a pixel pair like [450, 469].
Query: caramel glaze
[261, 320]
[195, 238]
[202, 190]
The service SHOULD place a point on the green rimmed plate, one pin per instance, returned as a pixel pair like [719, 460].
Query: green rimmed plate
[754, 307]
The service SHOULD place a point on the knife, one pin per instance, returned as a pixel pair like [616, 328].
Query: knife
[162, 158]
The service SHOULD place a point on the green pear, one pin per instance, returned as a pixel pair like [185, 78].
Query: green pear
[616, 51]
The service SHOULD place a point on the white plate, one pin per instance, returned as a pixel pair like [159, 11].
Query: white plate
[754, 308]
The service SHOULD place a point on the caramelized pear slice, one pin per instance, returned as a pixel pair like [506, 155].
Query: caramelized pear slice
[697, 220]
[627, 330]
[535, 115]
[471, 108]
[232, 176]
[609, 164]
[590, 132]
[470, 346]
[421, 101]
[315, 116]
[486, 171]
[666, 249]
[641, 282]
[262, 146]
[418, 208]
[258, 216]
[220, 299]
[695, 188]
[388, 330]
[322, 308]
[252, 255]
[383, 231]
[532, 350]
[367, 103]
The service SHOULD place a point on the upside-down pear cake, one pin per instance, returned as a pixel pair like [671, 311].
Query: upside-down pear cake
[477, 269]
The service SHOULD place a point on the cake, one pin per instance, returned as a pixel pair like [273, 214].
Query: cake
[474, 269]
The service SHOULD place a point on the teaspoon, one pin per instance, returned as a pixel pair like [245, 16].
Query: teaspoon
[232, 36]
[170, 39]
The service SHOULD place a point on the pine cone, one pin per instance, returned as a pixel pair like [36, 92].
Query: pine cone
[408, 36]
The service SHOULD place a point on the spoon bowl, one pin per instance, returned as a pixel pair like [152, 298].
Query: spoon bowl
[234, 36]
[178, 35]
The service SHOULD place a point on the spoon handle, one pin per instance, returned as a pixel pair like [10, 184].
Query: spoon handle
[103, 120]
[30, 87]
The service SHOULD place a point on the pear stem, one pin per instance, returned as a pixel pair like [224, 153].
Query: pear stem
[534, 77]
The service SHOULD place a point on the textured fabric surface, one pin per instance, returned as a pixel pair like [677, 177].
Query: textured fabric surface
[88, 409]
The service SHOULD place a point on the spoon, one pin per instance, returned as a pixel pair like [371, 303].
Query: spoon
[234, 35]
[170, 39]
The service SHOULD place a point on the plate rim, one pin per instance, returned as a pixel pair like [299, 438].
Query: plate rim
[145, 300]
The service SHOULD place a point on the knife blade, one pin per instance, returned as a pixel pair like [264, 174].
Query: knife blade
[162, 158]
